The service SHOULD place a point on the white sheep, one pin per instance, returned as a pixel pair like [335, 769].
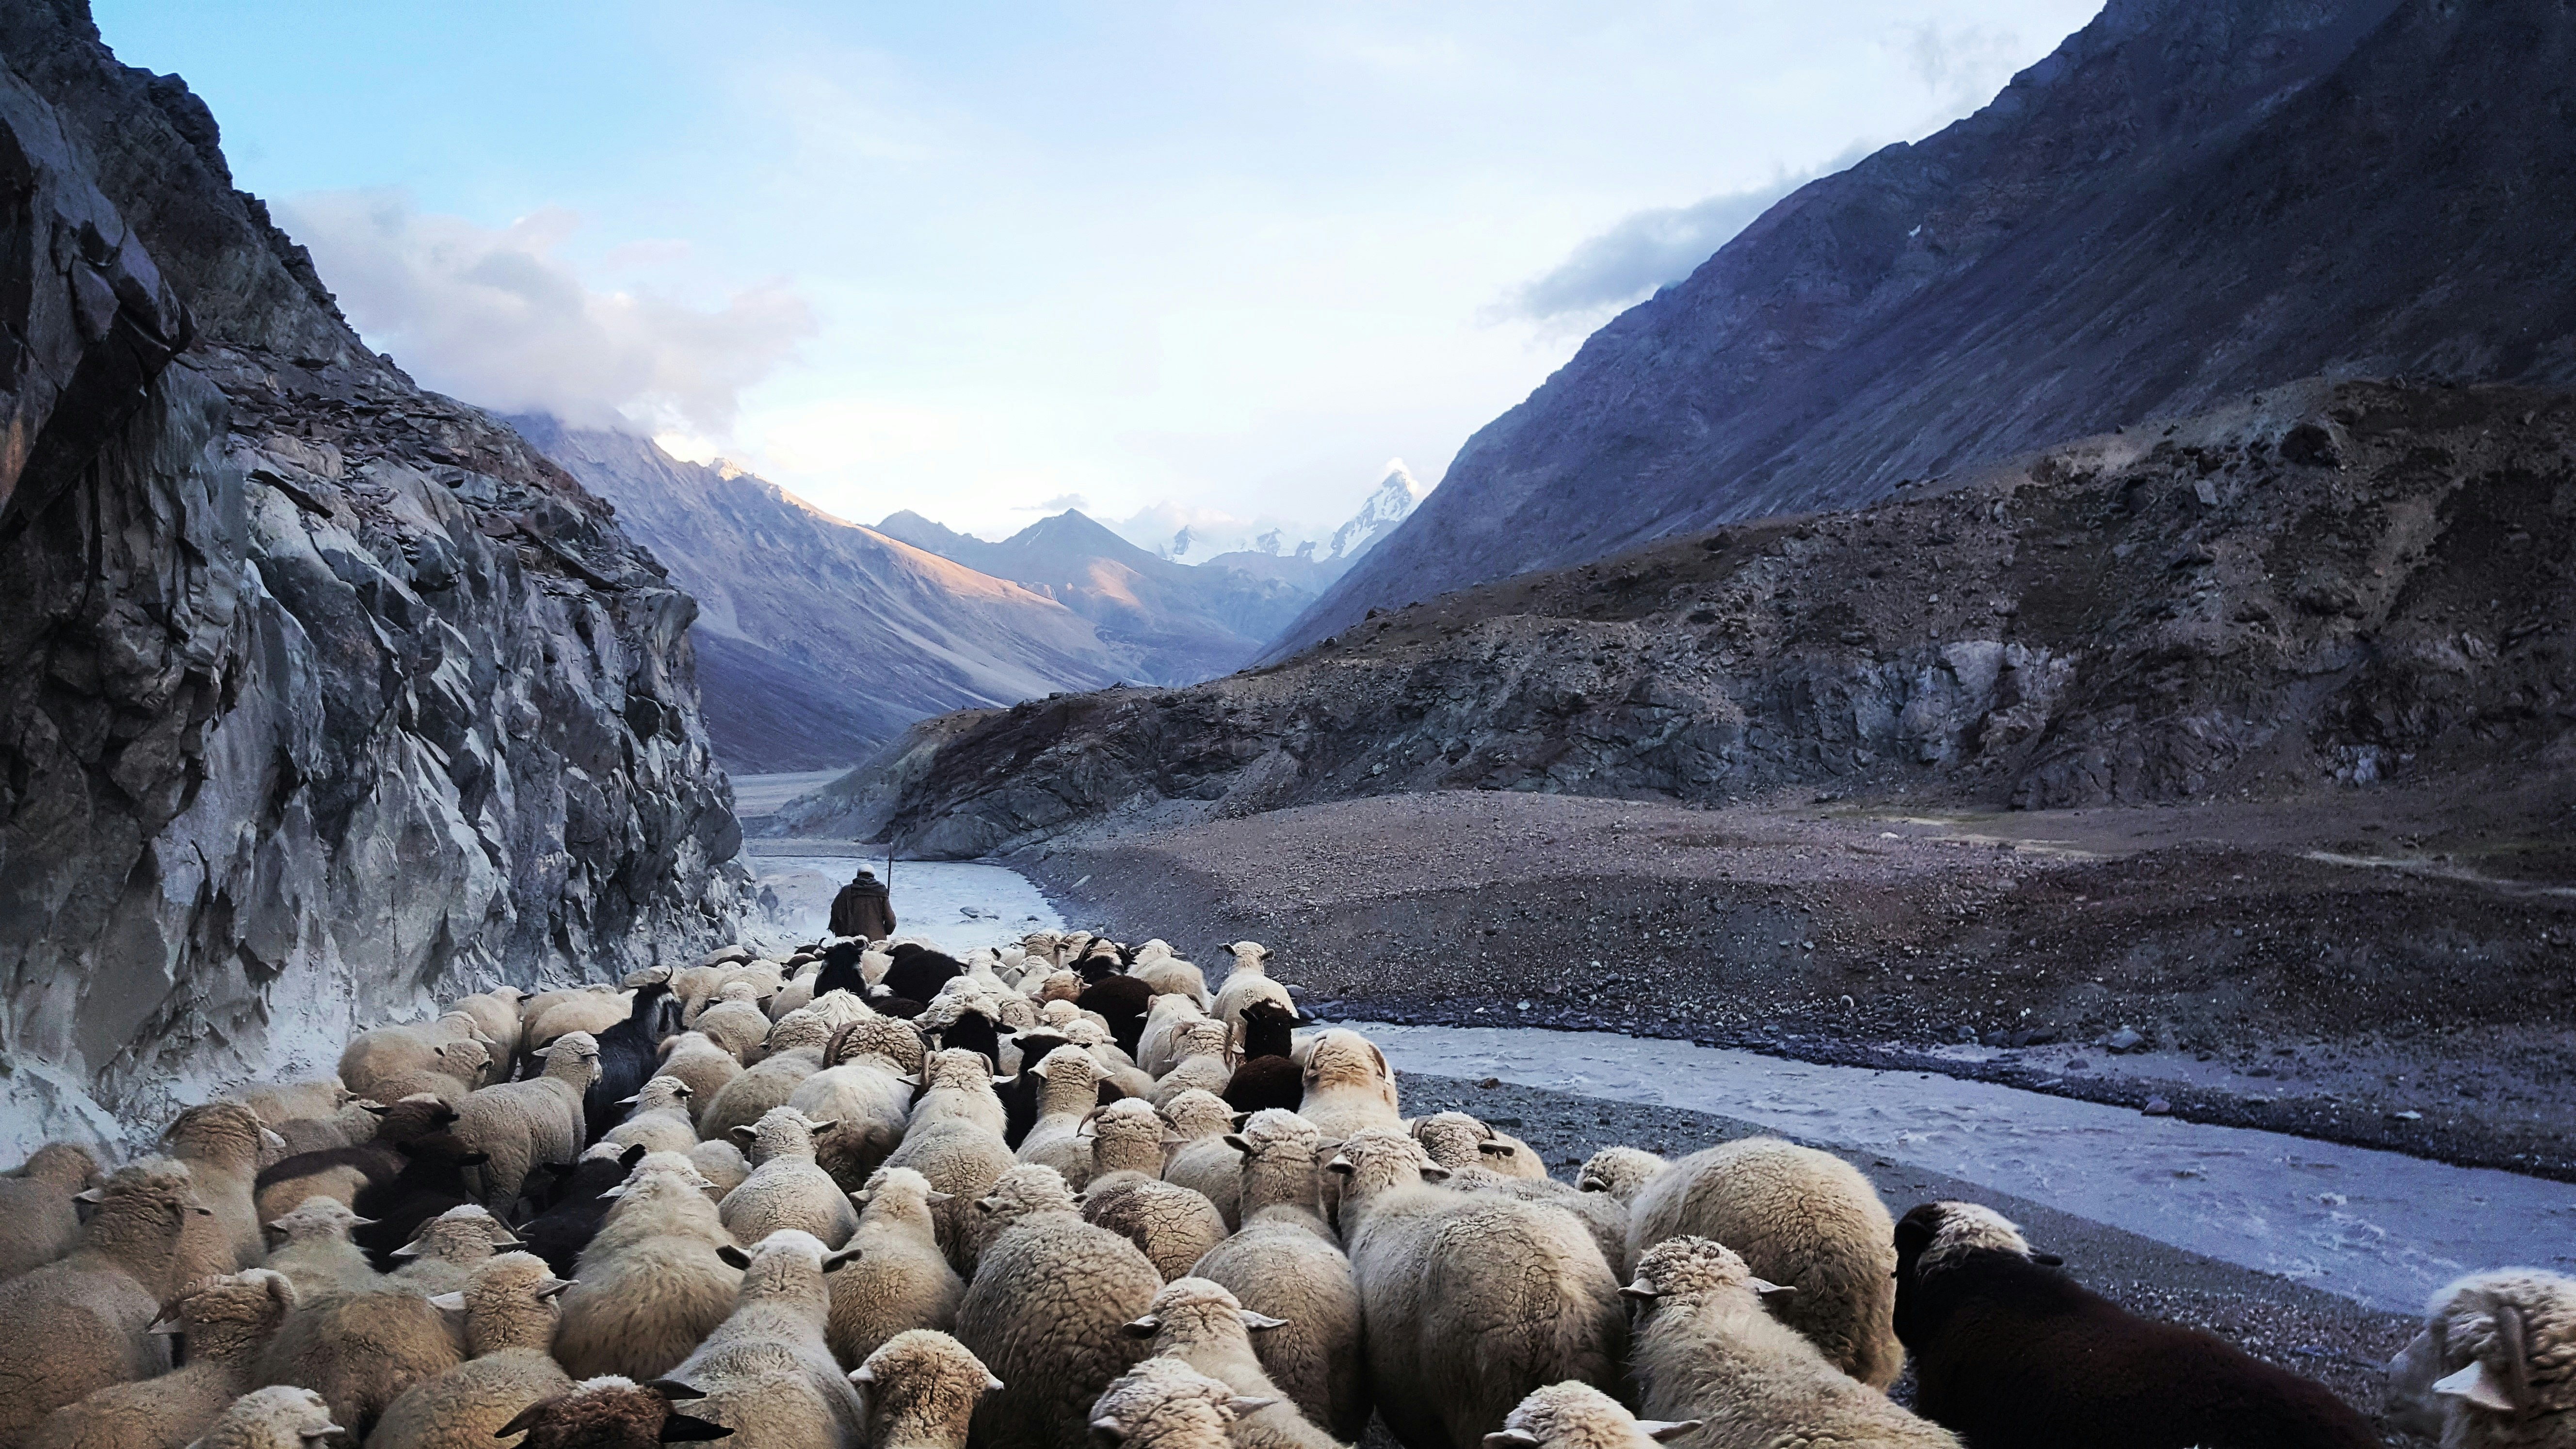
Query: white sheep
[456, 1068]
[225, 1323]
[1470, 1301]
[37, 1220]
[660, 1119]
[1708, 1348]
[649, 1285]
[1072, 1092]
[1155, 1052]
[735, 1022]
[1801, 1218]
[1045, 1310]
[1206, 1061]
[361, 1351]
[281, 1416]
[84, 1321]
[390, 1053]
[1172, 1224]
[787, 1188]
[550, 1016]
[1247, 983]
[1579, 1416]
[1458, 1141]
[722, 1165]
[314, 1252]
[704, 1066]
[496, 1015]
[1169, 975]
[2495, 1364]
[509, 1324]
[920, 1389]
[961, 1161]
[900, 1280]
[1349, 1088]
[1286, 1263]
[221, 1143]
[766, 1371]
[867, 1100]
[1622, 1172]
[957, 1086]
[521, 1124]
[763, 1088]
[445, 1251]
[1204, 1326]
[1163, 1403]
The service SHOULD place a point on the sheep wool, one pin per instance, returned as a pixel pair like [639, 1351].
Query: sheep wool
[961, 1162]
[1173, 1225]
[650, 1284]
[866, 1101]
[919, 1391]
[314, 1251]
[1579, 1416]
[1206, 1061]
[1286, 1264]
[84, 1321]
[765, 1371]
[520, 1124]
[37, 1220]
[1708, 1349]
[1470, 1301]
[1201, 1324]
[1071, 1092]
[1049, 1298]
[2495, 1364]
[1801, 1218]
[722, 1165]
[704, 1066]
[787, 1188]
[1351, 1089]
[1622, 1172]
[361, 1351]
[901, 1280]
[221, 1143]
[758, 1091]
[956, 1086]
[509, 1323]
[443, 1255]
[1458, 1141]
[1163, 1403]
[612, 1412]
[278, 1417]
[1247, 983]
[224, 1322]
[658, 1118]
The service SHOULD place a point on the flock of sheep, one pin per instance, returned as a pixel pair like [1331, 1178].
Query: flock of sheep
[1060, 1194]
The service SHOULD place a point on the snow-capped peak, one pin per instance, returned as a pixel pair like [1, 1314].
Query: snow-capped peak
[1397, 495]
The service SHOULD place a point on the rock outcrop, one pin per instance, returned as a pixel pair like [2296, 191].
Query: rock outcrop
[818, 641]
[2323, 587]
[318, 693]
[2189, 200]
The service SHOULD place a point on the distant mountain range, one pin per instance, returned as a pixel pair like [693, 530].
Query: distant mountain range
[2187, 200]
[818, 640]
[1312, 560]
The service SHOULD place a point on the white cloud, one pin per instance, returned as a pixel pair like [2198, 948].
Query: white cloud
[500, 319]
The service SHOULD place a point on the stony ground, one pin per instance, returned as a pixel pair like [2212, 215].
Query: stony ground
[2379, 975]
[2316, 1334]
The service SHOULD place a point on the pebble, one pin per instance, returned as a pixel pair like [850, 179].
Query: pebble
[2157, 1107]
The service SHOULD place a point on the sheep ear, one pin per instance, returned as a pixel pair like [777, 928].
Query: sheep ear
[1498, 1149]
[687, 1428]
[525, 1419]
[617, 1191]
[734, 1256]
[1145, 1327]
[1038, 1070]
[2478, 1384]
[992, 1385]
[1108, 1430]
[1235, 1141]
[631, 1156]
[2048, 1260]
[1661, 1429]
[835, 1262]
[819, 1128]
[407, 1250]
[1511, 1439]
[357, 1222]
[92, 1194]
[554, 1288]
[863, 1375]
[630, 1101]
[745, 1133]
[1243, 1407]
[1342, 1165]
[936, 1198]
[1640, 1291]
[380, 1109]
[1771, 1292]
[1434, 1172]
[449, 1302]
[674, 1390]
[1259, 1321]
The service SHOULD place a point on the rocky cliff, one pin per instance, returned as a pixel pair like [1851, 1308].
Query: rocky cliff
[2190, 199]
[2322, 587]
[318, 693]
[818, 641]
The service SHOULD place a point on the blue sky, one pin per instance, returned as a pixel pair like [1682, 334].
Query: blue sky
[1173, 261]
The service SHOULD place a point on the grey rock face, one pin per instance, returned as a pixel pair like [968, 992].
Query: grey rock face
[319, 694]
[2188, 200]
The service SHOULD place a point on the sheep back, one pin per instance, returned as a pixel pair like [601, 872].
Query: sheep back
[1050, 1296]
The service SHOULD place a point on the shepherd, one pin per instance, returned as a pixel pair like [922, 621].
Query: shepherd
[863, 908]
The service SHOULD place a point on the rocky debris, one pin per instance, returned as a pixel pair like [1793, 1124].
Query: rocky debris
[2184, 202]
[2156, 615]
[318, 693]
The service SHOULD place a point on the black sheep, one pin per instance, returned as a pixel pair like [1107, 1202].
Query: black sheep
[1267, 1076]
[903, 1007]
[1021, 1094]
[627, 1058]
[560, 1233]
[841, 970]
[1122, 1001]
[918, 972]
[2011, 1353]
[432, 1181]
[973, 1031]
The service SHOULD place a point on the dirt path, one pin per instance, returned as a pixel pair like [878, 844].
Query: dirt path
[2367, 972]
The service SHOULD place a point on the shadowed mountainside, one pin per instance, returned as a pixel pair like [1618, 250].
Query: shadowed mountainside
[2190, 199]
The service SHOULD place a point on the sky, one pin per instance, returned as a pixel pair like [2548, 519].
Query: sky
[1165, 262]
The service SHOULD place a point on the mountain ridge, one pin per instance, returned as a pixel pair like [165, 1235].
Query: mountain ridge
[2181, 202]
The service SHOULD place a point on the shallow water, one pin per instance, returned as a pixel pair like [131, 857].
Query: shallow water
[959, 904]
[2376, 1227]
